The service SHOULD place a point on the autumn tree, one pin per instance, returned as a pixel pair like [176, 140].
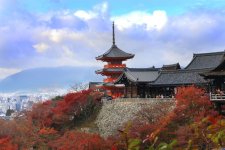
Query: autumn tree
[41, 114]
[190, 102]
[75, 106]
[80, 141]
[6, 143]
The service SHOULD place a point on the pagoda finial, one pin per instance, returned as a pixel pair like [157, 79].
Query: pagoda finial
[113, 33]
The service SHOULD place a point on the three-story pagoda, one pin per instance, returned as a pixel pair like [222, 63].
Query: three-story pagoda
[114, 58]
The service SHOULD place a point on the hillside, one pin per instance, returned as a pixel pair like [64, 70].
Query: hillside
[114, 115]
[146, 124]
[48, 78]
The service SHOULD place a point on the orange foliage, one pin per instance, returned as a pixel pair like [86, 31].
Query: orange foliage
[38, 127]
[192, 98]
[6, 144]
[72, 105]
[47, 131]
[44, 126]
[41, 114]
[190, 103]
[80, 141]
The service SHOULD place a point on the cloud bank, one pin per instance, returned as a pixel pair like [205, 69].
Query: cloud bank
[76, 37]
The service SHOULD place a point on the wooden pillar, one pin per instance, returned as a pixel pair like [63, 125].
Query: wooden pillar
[218, 107]
[125, 90]
[131, 86]
[145, 91]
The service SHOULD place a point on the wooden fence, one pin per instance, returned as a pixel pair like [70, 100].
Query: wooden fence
[217, 97]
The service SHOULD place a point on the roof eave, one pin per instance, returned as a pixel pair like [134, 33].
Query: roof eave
[178, 84]
[105, 58]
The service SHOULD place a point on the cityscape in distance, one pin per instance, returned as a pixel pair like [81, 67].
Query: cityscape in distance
[20, 91]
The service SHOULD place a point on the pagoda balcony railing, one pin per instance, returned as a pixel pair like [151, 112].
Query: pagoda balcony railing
[217, 97]
[109, 80]
[115, 66]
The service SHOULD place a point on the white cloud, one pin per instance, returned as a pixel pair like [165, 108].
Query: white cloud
[41, 47]
[76, 38]
[4, 72]
[195, 24]
[85, 15]
[98, 10]
[55, 36]
[156, 20]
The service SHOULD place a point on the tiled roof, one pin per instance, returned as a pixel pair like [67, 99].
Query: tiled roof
[171, 67]
[116, 53]
[180, 77]
[214, 74]
[206, 60]
[140, 74]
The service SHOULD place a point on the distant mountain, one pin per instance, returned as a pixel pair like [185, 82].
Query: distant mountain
[48, 78]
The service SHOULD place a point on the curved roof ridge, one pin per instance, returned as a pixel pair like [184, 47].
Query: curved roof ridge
[194, 56]
[160, 73]
[183, 71]
[144, 69]
[171, 64]
[209, 53]
[115, 52]
[205, 60]
[179, 77]
[130, 74]
[140, 75]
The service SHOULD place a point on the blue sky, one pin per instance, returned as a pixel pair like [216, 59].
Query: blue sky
[49, 33]
[173, 7]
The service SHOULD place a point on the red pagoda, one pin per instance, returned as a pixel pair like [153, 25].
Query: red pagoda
[114, 68]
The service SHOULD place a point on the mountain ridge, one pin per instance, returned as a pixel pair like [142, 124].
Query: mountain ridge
[48, 77]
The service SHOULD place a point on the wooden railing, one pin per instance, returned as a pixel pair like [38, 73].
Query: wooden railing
[115, 66]
[217, 97]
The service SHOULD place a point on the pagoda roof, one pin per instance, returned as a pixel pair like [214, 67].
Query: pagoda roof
[140, 74]
[180, 77]
[206, 60]
[115, 53]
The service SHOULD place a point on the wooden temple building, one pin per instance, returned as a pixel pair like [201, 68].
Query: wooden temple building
[206, 70]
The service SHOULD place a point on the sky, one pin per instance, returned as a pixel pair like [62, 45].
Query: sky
[51, 33]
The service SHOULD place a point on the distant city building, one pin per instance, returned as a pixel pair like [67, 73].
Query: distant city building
[18, 106]
[22, 102]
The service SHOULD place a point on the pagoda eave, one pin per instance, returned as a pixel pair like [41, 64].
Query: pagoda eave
[108, 73]
[108, 59]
